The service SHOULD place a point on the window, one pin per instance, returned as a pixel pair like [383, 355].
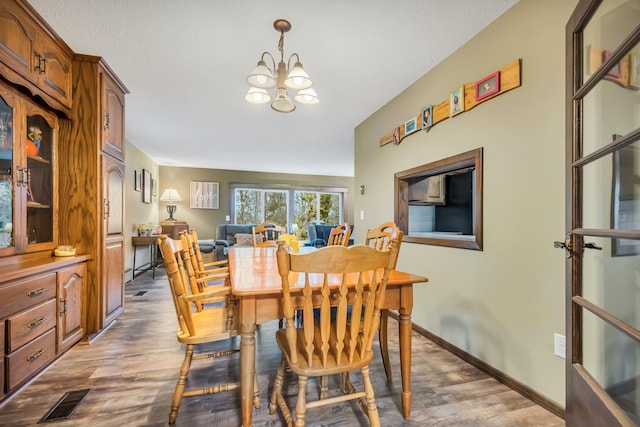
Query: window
[297, 208]
[314, 207]
[253, 206]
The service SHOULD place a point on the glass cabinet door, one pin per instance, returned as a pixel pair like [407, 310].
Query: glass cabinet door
[28, 199]
[39, 192]
[7, 207]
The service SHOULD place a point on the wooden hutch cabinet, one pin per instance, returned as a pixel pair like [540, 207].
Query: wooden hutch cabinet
[61, 183]
[92, 179]
[33, 56]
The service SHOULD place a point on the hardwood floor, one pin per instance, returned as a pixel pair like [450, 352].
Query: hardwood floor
[132, 369]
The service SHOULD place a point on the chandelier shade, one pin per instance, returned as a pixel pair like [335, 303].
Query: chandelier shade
[257, 96]
[307, 96]
[282, 77]
[283, 104]
[261, 77]
[298, 78]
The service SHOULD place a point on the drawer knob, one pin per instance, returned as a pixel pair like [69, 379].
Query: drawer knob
[35, 355]
[36, 322]
[37, 292]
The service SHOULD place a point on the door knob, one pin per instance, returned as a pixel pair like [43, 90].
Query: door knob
[591, 245]
[566, 245]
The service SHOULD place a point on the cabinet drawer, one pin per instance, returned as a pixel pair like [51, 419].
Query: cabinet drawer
[17, 296]
[28, 324]
[30, 359]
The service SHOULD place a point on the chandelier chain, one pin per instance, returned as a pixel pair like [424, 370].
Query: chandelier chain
[281, 45]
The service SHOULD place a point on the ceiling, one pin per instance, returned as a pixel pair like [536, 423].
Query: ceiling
[185, 64]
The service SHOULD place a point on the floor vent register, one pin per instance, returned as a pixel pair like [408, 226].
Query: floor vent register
[65, 407]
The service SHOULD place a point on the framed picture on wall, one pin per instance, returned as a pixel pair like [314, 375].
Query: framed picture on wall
[137, 180]
[410, 126]
[488, 86]
[616, 71]
[456, 102]
[203, 195]
[427, 117]
[146, 186]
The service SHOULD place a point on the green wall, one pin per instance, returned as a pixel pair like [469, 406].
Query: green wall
[502, 304]
[136, 212]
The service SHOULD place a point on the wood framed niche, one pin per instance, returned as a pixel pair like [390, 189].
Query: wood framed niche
[440, 203]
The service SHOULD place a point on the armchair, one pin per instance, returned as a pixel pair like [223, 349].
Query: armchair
[226, 237]
[319, 234]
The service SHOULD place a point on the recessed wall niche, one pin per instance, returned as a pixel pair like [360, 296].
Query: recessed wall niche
[440, 203]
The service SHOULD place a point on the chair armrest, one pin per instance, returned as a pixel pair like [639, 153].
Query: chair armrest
[221, 248]
[318, 243]
[213, 277]
[223, 263]
[209, 296]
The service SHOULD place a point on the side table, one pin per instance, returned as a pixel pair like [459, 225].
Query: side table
[152, 243]
[173, 228]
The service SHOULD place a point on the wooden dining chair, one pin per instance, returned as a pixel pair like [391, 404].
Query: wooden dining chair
[379, 238]
[339, 235]
[267, 233]
[208, 325]
[352, 278]
[202, 266]
[216, 270]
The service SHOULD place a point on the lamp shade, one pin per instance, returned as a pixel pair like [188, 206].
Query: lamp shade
[170, 195]
[257, 96]
[283, 103]
[298, 78]
[261, 77]
[307, 96]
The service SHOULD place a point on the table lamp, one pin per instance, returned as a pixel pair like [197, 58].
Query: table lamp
[171, 195]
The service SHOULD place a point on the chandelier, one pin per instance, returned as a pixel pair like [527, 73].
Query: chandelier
[262, 78]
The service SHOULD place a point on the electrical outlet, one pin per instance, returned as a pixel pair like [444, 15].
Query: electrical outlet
[559, 346]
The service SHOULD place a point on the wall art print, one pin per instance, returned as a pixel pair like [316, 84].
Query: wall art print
[203, 195]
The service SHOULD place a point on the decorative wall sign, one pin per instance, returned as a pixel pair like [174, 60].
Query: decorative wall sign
[203, 195]
[506, 79]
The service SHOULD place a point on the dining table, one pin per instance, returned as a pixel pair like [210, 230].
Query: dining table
[257, 287]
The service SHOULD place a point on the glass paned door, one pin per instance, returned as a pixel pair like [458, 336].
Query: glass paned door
[39, 148]
[7, 207]
[603, 213]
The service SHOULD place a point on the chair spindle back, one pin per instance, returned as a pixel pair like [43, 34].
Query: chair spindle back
[356, 276]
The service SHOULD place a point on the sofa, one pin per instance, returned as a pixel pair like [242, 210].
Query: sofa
[228, 235]
[319, 234]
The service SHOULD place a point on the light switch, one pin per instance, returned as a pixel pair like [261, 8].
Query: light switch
[361, 214]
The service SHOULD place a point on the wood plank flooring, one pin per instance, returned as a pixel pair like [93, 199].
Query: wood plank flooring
[132, 368]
